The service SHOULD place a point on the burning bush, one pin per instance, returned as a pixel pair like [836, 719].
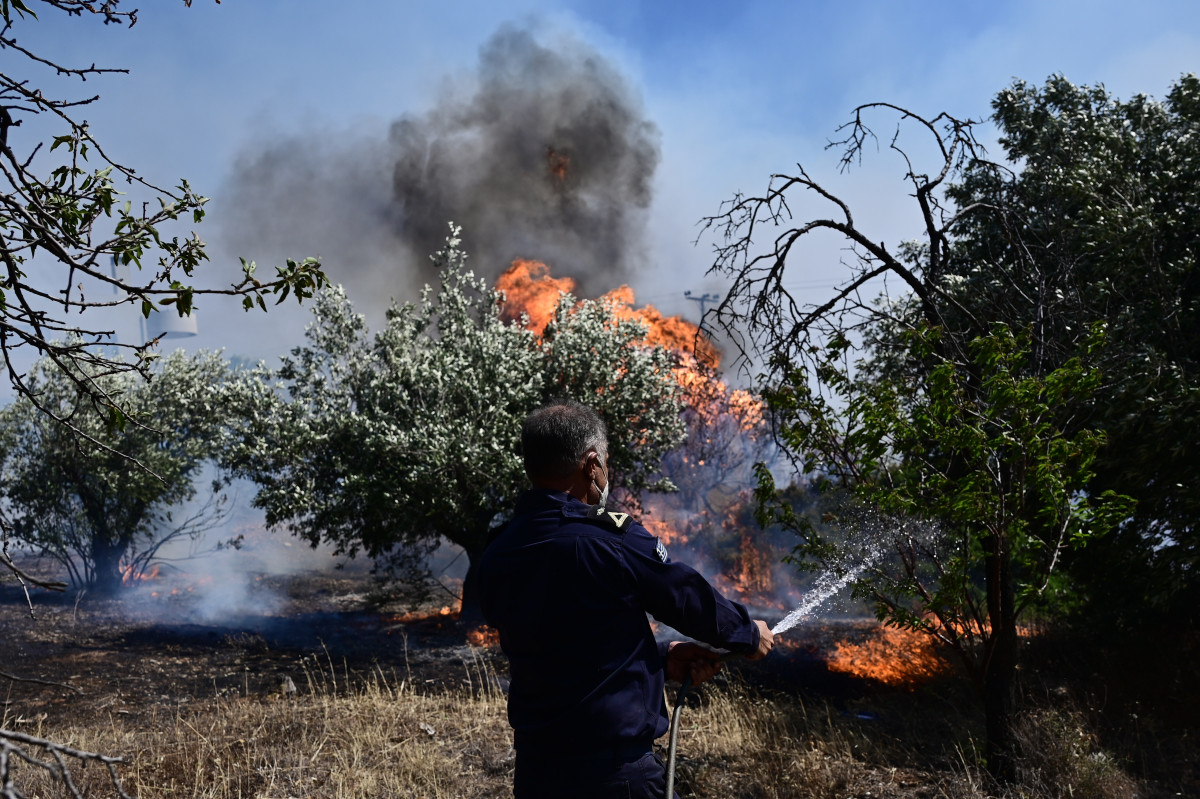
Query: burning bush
[710, 515]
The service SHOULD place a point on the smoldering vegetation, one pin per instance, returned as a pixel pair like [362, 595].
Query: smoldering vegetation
[545, 153]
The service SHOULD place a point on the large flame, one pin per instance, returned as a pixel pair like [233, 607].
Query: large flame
[716, 416]
[892, 656]
[531, 296]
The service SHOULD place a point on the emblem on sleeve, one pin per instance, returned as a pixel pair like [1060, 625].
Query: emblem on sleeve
[660, 550]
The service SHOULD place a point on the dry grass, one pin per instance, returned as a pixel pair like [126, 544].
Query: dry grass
[383, 736]
[735, 742]
[373, 737]
[738, 743]
[1062, 758]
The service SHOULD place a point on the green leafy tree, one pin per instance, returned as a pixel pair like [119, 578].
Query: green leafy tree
[69, 240]
[963, 494]
[81, 502]
[916, 406]
[390, 445]
[1099, 222]
[64, 222]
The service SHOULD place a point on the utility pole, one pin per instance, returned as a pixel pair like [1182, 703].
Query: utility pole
[704, 299]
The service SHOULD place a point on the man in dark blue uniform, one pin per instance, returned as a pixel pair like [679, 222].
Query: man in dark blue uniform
[568, 584]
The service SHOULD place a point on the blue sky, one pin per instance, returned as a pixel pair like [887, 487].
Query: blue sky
[737, 91]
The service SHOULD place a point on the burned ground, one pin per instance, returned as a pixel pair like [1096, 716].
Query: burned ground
[77, 657]
[801, 715]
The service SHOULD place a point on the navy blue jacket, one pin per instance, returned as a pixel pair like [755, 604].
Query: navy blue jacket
[568, 587]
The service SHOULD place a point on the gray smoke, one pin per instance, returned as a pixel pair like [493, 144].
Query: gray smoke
[547, 155]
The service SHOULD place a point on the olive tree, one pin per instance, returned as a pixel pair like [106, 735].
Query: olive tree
[78, 500]
[72, 245]
[388, 445]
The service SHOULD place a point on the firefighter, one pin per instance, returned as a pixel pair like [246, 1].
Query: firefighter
[568, 584]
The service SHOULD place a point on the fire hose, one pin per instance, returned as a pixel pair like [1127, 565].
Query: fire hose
[675, 714]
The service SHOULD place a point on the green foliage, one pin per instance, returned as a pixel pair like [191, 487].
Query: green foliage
[1101, 225]
[387, 445]
[63, 221]
[1037, 310]
[102, 507]
[972, 446]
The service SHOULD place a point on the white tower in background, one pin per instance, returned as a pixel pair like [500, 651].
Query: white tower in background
[165, 323]
[168, 324]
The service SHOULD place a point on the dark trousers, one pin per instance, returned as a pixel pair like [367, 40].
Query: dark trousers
[644, 777]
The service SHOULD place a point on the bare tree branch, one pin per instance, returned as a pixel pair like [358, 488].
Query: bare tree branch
[51, 758]
[60, 210]
[758, 313]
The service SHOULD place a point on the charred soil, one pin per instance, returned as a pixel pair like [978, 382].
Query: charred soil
[823, 716]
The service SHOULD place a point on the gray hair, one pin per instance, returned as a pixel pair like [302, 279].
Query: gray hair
[557, 437]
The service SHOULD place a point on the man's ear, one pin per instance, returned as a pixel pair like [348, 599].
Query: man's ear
[592, 465]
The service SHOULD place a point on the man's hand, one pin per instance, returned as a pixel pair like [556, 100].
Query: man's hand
[765, 641]
[686, 660]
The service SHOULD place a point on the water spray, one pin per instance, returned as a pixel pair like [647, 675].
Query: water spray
[877, 533]
[827, 586]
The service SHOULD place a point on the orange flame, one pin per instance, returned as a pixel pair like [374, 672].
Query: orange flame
[483, 636]
[665, 532]
[529, 290]
[711, 398]
[444, 612]
[751, 578]
[901, 658]
[557, 163]
[673, 332]
[132, 576]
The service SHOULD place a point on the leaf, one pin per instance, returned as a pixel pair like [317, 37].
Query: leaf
[20, 7]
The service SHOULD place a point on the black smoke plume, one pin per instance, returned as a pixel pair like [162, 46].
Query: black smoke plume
[547, 155]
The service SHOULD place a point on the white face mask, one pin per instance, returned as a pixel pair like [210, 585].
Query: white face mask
[604, 491]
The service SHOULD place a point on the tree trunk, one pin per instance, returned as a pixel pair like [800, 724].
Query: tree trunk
[1000, 670]
[472, 613]
[106, 564]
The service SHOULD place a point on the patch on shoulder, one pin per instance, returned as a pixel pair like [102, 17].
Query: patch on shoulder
[660, 550]
[621, 521]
